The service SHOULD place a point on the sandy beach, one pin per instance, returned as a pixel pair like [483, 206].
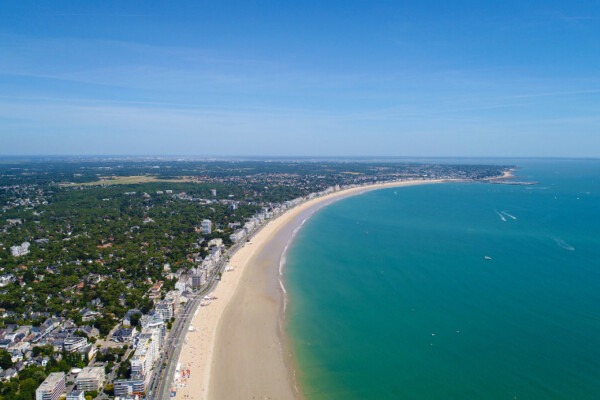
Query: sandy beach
[236, 347]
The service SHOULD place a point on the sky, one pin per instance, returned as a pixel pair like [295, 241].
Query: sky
[303, 78]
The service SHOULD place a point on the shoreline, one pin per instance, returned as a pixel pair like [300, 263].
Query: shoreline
[237, 346]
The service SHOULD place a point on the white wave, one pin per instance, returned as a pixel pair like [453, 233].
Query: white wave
[283, 260]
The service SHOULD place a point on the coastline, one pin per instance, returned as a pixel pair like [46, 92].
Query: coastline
[236, 346]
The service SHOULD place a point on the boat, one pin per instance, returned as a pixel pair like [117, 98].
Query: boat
[487, 258]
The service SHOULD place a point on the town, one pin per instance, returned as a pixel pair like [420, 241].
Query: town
[102, 259]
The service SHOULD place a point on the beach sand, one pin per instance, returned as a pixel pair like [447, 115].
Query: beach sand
[236, 348]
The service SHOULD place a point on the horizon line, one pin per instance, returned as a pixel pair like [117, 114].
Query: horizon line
[209, 157]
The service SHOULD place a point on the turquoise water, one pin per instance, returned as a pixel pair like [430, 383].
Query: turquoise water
[391, 296]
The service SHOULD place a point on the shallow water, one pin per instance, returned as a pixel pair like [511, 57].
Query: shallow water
[391, 295]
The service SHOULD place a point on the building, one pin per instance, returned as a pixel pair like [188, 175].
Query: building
[154, 292]
[52, 387]
[207, 226]
[18, 251]
[198, 278]
[124, 335]
[76, 395]
[146, 353]
[129, 315]
[168, 307]
[90, 378]
[181, 285]
[74, 343]
[213, 192]
[237, 235]
[129, 387]
[165, 310]
[6, 279]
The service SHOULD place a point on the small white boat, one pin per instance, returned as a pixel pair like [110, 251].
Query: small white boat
[487, 258]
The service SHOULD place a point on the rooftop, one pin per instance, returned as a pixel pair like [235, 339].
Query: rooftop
[91, 373]
[51, 381]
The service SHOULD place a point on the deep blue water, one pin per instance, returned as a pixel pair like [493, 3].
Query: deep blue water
[391, 295]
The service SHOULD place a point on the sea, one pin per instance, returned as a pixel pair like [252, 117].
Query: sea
[452, 291]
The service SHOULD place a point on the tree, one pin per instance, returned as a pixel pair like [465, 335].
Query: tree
[27, 389]
[135, 319]
[5, 359]
[46, 350]
[109, 367]
[109, 389]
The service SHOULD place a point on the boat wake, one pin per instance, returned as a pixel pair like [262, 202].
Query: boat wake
[501, 216]
[562, 244]
[509, 215]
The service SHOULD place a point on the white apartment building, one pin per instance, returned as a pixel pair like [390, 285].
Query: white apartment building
[237, 235]
[146, 353]
[207, 226]
[52, 387]
[169, 306]
[76, 395]
[74, 343]
[90, 378]
[129, 387]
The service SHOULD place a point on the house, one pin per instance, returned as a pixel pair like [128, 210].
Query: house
[154, 291]
[16, 357]
[6, 279]
[18, 251]
[8, 374]
[128, 316]
[124, 335]
[89, 315]
[90, 331]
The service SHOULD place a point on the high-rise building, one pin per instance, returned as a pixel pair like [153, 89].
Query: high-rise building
[52, 387]
[90, 378]
[207, 226]
[129, 387]
[198, 278]
[146, 353]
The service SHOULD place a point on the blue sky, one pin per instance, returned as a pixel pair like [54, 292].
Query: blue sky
[324, 78]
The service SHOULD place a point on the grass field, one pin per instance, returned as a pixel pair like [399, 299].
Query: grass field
[129, 180]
